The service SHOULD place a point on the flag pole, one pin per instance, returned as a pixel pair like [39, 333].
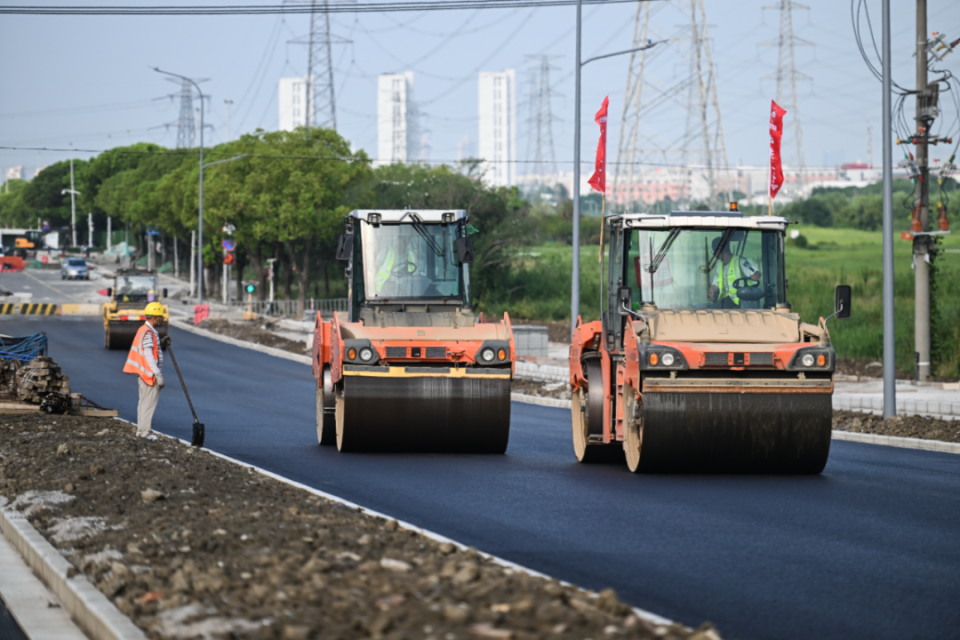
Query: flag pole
[603, 205]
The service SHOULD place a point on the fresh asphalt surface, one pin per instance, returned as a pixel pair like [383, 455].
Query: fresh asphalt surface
[868, 549]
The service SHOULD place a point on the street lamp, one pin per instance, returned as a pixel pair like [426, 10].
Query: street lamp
[200, 232]
[575, 277]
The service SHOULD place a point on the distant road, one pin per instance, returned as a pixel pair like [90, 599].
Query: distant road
[869, 549]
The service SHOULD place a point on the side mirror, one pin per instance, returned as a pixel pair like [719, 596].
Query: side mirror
[624, 301]
[465, 250]
[844, 297]
[110, 292]
[164, 293]
[345, 246]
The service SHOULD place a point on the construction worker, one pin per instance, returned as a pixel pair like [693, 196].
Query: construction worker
[730, 271]
[146, 360]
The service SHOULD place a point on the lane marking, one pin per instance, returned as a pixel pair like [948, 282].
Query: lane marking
[50, 286]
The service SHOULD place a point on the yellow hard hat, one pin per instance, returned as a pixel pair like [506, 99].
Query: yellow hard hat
[154, 309]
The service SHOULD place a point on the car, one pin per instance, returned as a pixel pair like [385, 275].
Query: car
[74, 268]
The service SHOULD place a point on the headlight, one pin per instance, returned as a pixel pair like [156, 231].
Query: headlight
[807, 360]
[487, 355]
[667, 359]
[366, 354]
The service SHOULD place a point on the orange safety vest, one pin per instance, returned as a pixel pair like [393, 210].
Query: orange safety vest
[137, 359]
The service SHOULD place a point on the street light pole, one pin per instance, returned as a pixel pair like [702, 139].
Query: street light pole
[575, 275]
[889, 345]
[200, 232]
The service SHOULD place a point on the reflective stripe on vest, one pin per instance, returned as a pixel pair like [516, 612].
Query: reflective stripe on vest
[383, 274]
[137, 359]
[733, 274]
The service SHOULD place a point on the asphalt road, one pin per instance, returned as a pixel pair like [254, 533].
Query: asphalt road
[868, 549]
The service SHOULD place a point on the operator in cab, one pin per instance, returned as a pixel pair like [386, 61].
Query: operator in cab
[723, 290]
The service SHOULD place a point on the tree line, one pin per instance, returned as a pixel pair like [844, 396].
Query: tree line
[286, 197]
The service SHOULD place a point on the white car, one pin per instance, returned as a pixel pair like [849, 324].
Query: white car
[74, 268]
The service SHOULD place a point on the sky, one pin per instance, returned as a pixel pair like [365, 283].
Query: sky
[88, 80]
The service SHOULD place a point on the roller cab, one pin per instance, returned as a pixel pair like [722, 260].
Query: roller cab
[132, 290]
[698, 363]
[410, 366]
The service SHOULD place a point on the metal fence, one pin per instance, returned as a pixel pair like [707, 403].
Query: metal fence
[289, 308]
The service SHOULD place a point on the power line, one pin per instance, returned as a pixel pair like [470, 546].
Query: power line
[333, 7]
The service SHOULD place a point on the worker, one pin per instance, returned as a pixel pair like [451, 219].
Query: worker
[146, 360]
[730, 271]
[387, 267]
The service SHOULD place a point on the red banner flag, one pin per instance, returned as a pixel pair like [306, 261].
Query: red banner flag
[776, 132]
[599, 178]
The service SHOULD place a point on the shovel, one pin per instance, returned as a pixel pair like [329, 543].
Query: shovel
[198, 431]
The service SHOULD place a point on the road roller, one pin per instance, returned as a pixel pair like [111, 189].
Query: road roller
[132, 290]
[410, 367]
[698, 364]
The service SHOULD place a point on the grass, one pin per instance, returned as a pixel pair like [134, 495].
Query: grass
[539, 288]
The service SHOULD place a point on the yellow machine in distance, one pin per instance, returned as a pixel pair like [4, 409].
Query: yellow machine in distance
[132, 291]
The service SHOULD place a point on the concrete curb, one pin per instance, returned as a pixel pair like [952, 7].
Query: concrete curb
[91, 610]
[81, 309]
[896, 441]
[539, 400]
[272, 351]
[873, 404]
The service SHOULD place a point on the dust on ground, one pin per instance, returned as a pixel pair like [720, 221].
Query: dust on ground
[924, 427]
[190, 545]
[253, 332]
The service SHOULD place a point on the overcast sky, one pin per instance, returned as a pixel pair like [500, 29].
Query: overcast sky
[88, 80]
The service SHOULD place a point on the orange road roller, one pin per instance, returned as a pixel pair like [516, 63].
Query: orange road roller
[698, 363]
[411, 368]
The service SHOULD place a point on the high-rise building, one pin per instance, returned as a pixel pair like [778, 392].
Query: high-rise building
[498, 129]
[293, 103]
[397, 130]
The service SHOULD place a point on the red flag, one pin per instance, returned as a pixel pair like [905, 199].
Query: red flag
[599, 178]
[776, 132]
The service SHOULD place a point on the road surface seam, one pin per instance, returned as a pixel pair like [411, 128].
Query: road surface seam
[80, 598]
[867, 438]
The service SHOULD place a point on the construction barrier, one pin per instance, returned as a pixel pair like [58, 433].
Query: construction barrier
[7, 308]
[38, 309]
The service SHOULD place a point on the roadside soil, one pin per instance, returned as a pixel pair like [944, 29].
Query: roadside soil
[925, 427]
[556, 331]
[558, 390]
[192, 546]
[252, 332]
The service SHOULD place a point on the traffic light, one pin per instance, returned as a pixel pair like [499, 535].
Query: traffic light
[251, 288]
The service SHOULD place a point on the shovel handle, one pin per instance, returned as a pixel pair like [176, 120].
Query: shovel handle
[185, 392]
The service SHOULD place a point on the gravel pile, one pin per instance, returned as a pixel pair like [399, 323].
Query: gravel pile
[925, 427]
[253, 332]
[193, 546]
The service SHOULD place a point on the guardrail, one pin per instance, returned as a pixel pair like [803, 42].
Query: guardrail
[290, 308]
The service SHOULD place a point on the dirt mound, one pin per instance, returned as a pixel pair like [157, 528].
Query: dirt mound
[253, 332]
[925, 427]
[190, 545]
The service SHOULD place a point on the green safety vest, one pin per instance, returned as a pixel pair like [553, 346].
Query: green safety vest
[733, 274]
[386, 269]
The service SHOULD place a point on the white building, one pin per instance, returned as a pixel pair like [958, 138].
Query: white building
[292, 100]
[498, 127]
[397, 139]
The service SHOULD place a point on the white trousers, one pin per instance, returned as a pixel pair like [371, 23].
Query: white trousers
[149, 397]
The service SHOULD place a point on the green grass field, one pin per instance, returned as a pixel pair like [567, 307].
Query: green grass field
[540, 289]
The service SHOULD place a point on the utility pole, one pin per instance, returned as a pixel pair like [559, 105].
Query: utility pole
[889, 335]
[921, 243]
[229, 103]
[73, 203]
[109, 233]
[90, 230]
[575, 262]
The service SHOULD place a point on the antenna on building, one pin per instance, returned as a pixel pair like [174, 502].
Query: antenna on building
[787, 75]
[702, 141]
[540, 149]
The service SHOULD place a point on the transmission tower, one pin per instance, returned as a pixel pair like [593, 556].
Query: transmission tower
[653, 106]
[540, 149]
[321, 108]
[787, 75]
[186, 127]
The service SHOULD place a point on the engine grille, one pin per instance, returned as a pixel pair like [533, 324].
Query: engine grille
[436, 352]
[715, 359]
[396, 352]
[761, 359]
